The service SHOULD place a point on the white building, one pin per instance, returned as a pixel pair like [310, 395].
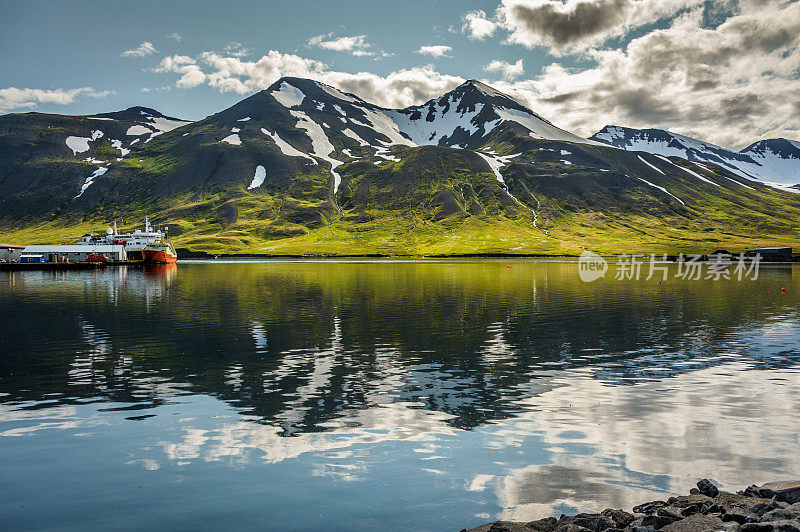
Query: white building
[78, 252]
[10, 252]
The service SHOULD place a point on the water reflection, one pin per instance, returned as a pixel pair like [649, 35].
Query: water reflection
[520, 392]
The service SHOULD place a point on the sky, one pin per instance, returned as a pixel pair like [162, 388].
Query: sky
[723, 71]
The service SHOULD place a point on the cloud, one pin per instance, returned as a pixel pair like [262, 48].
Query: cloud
[13, 98]
[191, 73]
[477, 26]
[143, 50]
[176, 36]
[356, 45]
[236, 49]
[730, 84]
[508, 70]
[579, 24]
[439, 50]
[232, 74]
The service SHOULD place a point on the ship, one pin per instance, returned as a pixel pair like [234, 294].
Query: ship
[137, 242]
[159, 253]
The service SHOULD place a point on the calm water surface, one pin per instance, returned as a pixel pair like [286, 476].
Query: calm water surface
[391, 395]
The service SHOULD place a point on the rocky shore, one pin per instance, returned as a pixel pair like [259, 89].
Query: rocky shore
[773, 507]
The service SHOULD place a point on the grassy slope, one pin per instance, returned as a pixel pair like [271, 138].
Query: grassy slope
[301, 220]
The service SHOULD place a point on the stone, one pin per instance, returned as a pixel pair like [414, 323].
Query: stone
[593, 522]
[772, 526]
[707, 488]
[620, 518]
[787, 491]
[778, 514]
[658, 521]
[548, 524]
[694, 491]
[740, 515]
[649, 507]
[695, 523]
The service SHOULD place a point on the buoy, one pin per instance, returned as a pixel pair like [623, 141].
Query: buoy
[508, 266]
[783, 290]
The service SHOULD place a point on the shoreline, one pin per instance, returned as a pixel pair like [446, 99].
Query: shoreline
[185, 254]
[771, 507]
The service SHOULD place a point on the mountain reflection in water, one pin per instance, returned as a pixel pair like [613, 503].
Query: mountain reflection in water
[465, 390]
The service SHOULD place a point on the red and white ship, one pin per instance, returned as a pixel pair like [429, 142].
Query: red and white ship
[159, 253]
[148, 245]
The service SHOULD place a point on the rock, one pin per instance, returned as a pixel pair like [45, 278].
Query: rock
[620, 518]
[772, 526]
[548, 524]
[658, 521]
[593, 522]
[571, 527]
[788, 491]
[694, 491]
[707, 488]
[779, 514]
[649, 507]
[740, 515]
[695, 523]
[762, 507]
[794, 508]
[710, 507]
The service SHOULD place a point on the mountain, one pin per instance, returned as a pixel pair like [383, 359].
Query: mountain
[303, 168]
[774, 161]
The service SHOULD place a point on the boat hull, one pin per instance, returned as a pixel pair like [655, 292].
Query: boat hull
[158, 257]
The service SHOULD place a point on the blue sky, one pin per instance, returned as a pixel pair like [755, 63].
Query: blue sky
[722, 70]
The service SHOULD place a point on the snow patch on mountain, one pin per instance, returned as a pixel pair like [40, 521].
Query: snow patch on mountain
[661, 189]
[538, 127]
[496, 162]
[320, 144]
[89, 180]
[657, 169]
[288, 95]
[231, 139]
[77, 144]
[117, 145]
[285, 147]
[245, 119]
[258, 178]
[347, 132]
[138, 130]
[336, 93]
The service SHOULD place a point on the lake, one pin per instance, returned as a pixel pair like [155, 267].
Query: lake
[399, 395]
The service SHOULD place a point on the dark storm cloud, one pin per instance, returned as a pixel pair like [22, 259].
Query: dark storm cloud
[564, 28]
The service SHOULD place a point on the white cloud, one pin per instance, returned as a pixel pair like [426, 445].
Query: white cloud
[439, 50]
[508, 70]
[477, 26]
[729, 85]
[13, 98]
[356, 45]
[144, 49]
[232, 74]
[236, 49]
[176, 36]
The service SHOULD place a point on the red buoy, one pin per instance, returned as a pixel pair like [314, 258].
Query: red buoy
[783, 290]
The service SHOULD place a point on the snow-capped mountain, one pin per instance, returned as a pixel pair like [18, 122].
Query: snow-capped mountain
[775, 161]
[302, 156]
[465, 116]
